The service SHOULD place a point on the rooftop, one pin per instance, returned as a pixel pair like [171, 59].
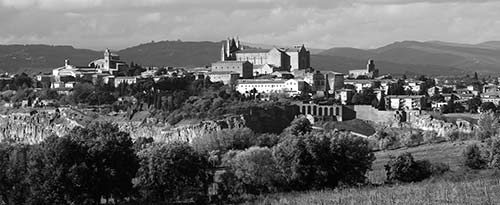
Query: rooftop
[405, 96]
[253, 50]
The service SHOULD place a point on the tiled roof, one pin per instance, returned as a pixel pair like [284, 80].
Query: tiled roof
[253, 50]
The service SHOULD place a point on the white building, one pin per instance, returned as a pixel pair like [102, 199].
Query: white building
[404, 102]
[267, 86]
[125, 80]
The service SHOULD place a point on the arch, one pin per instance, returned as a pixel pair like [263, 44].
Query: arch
[331, 112]
[320, 111]
[337, 111]
[303, 109]
[325, 111]
[308, 110]
[315, 111]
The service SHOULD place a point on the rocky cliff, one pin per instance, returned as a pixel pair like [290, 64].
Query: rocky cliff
[162, 132]
[31, 128]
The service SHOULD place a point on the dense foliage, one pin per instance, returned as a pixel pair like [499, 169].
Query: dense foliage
[405, 168]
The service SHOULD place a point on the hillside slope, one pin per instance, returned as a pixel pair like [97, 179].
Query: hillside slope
[483, 57]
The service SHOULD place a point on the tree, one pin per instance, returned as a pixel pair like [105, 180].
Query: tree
[299, 126]
[488, 106]
[225, 140]
[474, 104]
[173, 172]
[57, 169]
[322, 160]
[488, 123]
[111, 157]
[13, 167]
[472, 157]
[254, 168]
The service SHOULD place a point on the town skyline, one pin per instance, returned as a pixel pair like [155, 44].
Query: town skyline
[97, 24]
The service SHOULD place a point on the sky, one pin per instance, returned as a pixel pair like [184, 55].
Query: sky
[117, 24]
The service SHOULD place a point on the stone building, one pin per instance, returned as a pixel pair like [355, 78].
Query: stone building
[325, 111]
[244, 68]
[226, 77]
[370, 71]
[286, 59]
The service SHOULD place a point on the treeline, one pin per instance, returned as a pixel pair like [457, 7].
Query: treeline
[100, 164]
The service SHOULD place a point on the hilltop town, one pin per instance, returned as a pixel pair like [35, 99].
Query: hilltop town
[254, 121]
[263, 74]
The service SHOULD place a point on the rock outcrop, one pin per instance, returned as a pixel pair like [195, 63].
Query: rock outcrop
[31, 128]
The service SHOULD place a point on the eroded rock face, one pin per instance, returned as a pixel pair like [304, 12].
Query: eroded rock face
[33, 128]
[162, 132]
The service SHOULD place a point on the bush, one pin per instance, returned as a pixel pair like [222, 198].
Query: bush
[453, 135]
[439, 168]
[387, 140]
[472, 157]
[432, 137]
[266, 140]
[405, 169]
[412, 140]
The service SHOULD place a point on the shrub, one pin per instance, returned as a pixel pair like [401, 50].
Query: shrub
[453, 135]
[266, 140]
[472, 157]
[439, 168]
[412, 140]
[405, 169]
[387, 140]
[432, 137]
[494, 153]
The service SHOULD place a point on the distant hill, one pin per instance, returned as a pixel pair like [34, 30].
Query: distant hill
[431, 58]
[483, 57]
[37, 58]
[344, 64]
[173, 53]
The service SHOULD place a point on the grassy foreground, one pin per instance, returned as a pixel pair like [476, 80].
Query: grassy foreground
[481, 191]
[459, 186]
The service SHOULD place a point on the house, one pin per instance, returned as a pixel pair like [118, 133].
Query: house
[493, 97]
[405, 102]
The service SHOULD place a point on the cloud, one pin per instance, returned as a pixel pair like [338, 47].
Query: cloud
[316, 23]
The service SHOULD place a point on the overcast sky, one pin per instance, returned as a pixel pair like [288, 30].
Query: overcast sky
[117, 24]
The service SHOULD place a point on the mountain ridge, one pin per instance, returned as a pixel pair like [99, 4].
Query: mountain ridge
[427, 57]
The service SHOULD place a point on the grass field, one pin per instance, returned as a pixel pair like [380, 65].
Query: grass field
[448, 152]
[459, 186]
